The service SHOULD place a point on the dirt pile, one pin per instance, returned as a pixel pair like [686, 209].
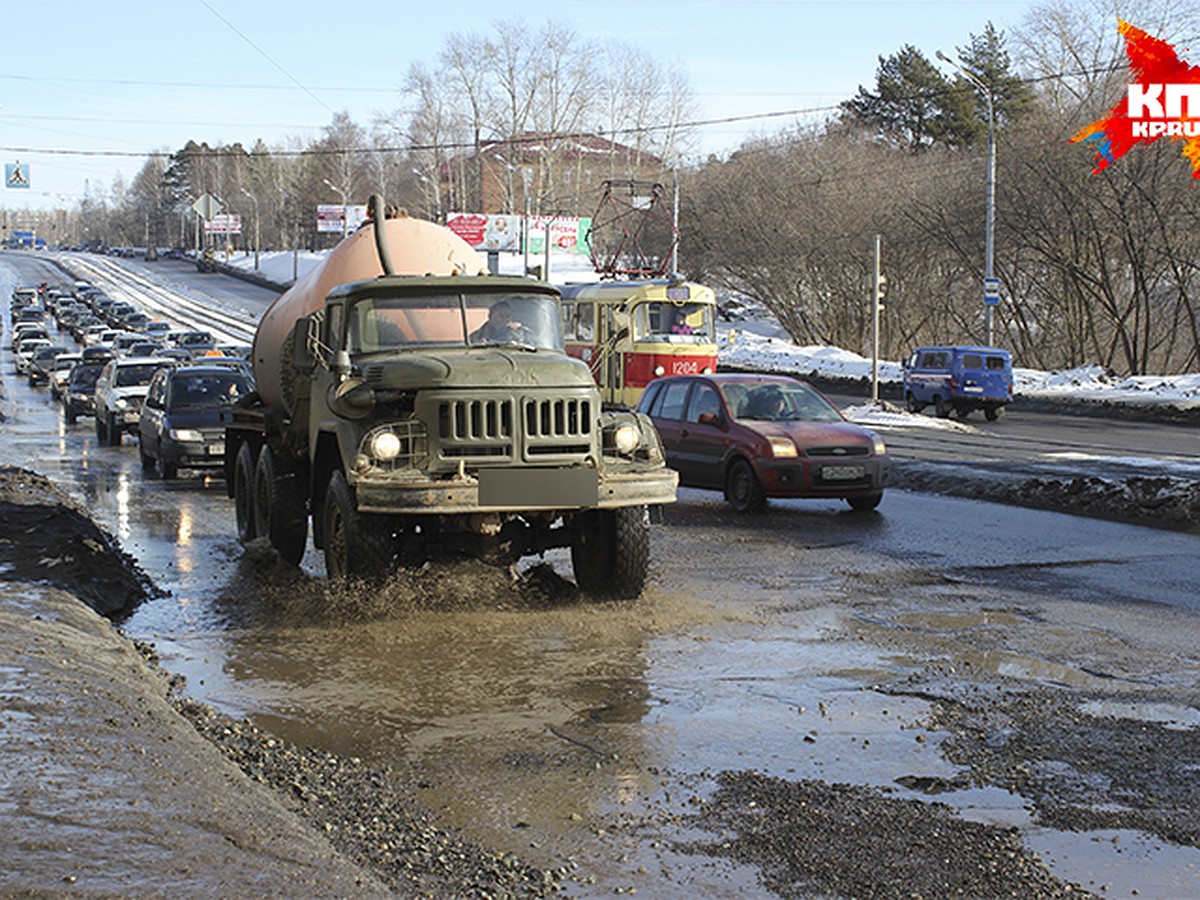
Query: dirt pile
[48, 538]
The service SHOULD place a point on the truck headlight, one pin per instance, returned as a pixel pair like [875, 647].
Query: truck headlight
[385, 445]
[626, 438]
[186, 435]
[877, 445]
[121, 403]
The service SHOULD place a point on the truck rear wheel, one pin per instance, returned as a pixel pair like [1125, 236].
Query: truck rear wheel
[243, 493]
[279, 509]
[357, 545]
[611, 552]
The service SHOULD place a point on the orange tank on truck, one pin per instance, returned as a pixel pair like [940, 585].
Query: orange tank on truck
[409, 406]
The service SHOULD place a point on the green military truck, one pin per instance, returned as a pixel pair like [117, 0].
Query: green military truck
[410, 408]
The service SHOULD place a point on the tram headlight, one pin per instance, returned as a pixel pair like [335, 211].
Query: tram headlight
[385, 445]
[659, 370]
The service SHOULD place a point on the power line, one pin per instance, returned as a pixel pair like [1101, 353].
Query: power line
[263, 53]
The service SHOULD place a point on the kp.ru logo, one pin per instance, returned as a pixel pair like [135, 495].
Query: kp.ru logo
[1162, 101]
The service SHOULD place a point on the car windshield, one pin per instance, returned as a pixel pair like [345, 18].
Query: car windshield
[386, 323]
[783, 401]
[83, 378]
[135, 375]
[209, 389]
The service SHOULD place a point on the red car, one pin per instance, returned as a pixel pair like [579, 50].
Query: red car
[760, 436]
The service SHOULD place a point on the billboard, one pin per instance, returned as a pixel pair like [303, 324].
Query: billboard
[335, 218]
[502, 233]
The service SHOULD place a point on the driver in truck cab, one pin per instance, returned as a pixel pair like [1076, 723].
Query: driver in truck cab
[500, 326]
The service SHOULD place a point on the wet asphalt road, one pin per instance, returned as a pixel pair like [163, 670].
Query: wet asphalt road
[758, 646]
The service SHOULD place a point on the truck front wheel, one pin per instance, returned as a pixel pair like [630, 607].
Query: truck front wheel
[279, 509]
[610, 552]
[357, 545]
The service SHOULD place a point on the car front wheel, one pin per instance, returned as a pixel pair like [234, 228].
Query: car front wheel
[865, 504]
[742, 490]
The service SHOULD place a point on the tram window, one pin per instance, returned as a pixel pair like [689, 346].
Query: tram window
[585, 322]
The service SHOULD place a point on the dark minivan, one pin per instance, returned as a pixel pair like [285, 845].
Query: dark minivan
[958, 379]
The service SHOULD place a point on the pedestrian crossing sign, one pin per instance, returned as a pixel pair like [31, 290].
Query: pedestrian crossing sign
[16, 175]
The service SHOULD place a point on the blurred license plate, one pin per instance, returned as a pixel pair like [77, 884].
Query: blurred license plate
[842, 473]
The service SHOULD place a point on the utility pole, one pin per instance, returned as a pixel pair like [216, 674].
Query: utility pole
[876, 291]
[990, 293]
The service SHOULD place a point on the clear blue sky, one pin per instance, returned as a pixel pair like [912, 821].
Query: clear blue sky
[127, 76]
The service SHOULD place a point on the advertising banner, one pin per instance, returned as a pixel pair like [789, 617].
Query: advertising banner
[502, 233]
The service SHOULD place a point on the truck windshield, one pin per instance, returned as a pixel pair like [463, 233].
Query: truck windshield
[387, 323]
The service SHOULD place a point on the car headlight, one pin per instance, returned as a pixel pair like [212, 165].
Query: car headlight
[385, 445]
[626, 438]
[186, 435]
[783, 447]
[877, 445]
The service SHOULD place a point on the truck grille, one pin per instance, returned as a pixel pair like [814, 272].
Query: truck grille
[559, 426]
[476, 428]
[489, 430]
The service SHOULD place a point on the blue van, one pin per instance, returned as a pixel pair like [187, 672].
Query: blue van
[961, 379]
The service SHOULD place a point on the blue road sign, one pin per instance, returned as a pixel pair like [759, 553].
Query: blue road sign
[16, 175]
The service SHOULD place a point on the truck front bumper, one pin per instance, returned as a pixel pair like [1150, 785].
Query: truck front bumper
[516, 491]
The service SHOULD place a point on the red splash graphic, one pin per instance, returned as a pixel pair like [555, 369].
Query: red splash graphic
[1163, 100]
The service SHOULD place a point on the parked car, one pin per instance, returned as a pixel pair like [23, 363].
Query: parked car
[182, 422]
[41, 364]
[760, 436]
[120, 390]
[79, 395]
[958, 379]
[63, 363]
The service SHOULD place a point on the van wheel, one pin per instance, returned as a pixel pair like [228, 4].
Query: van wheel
[941, 407]
[992, 413]
[913, 405]
[101, 430]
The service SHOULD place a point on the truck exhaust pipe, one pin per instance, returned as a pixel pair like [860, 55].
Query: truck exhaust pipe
[377, 212]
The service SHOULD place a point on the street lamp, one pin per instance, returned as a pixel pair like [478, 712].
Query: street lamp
[345, 205]
[990, 229]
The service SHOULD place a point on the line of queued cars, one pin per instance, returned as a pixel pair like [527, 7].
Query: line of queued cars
[130, 374]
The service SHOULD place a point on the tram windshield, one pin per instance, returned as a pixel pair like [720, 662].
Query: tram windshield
[676, 323]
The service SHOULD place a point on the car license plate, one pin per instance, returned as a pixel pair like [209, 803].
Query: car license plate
[842, 473]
